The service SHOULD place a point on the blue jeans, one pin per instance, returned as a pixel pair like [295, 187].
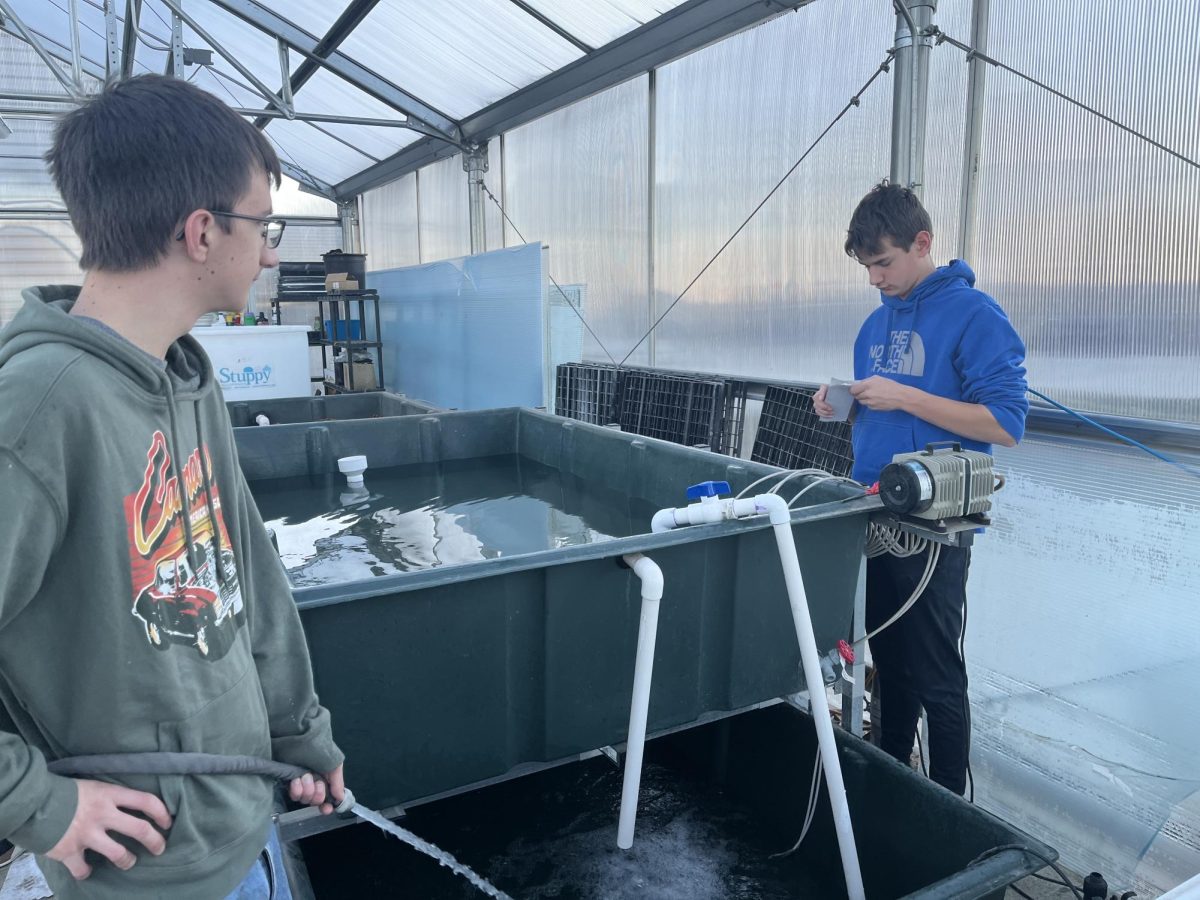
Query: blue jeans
[266, 879]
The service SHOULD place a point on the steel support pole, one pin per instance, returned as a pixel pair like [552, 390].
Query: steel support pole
[76, 63]
[968, 212]
[351, 236]
[902, 92]
[475, 163]
[175, 58]
[922, 13]
[112, 40]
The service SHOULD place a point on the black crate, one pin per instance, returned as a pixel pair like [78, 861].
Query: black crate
[586, 391]
[683, 410]
[790, 434]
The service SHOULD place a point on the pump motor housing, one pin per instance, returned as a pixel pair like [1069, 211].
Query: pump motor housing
[939, 482]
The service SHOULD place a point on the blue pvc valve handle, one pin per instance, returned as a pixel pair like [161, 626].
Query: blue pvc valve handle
[708, 489]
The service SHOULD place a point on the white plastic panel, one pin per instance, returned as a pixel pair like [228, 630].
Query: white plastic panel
[457, 55]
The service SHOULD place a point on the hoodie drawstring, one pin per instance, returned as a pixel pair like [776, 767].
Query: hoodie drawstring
[208, 492]
[173, 451]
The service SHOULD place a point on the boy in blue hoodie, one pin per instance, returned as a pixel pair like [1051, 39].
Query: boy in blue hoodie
[938, 360]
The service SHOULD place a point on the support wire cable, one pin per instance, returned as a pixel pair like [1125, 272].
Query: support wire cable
[972, 53]
[566, 299]
[850, 104]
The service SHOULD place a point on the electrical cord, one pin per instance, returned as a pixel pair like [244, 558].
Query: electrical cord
[813, 799]
[1191, 470]
[987, 854]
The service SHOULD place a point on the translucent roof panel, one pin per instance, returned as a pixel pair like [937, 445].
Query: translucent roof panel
[314, 16]
[330, 94]
[312, 150]
[458, 56]
[598, 22]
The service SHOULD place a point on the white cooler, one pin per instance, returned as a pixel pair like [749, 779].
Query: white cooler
[258, 362]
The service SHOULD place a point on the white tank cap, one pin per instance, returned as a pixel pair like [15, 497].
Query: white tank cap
[353, 467]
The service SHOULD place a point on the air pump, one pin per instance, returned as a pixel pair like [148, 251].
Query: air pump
[940, 483]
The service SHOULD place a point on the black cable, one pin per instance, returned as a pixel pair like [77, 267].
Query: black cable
[962, 655]
[483, 185]
[1020, 892]
[987, 854]
[972, 53]
[851, 103]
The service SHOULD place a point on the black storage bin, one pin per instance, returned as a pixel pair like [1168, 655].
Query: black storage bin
[353, 264]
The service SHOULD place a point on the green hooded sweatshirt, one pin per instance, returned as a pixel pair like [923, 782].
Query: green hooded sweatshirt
[142, 606]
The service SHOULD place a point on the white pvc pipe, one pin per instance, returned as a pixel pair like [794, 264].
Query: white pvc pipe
[714, 510]
[643, 670]
[781, 521]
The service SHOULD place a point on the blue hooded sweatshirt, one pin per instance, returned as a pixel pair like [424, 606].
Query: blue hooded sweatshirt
[945, 338]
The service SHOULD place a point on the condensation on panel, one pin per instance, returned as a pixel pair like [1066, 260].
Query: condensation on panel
[783, 301]
[1082, 651]
[35, 252]
[576, 180]
[443, 217]
[1087, 233]
[390, 224]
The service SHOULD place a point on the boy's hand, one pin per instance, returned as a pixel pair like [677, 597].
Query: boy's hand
[317, 792]
[101, 809]
[820, 407]
[880, 393]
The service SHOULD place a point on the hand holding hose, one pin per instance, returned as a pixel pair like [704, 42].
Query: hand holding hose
[311, 791]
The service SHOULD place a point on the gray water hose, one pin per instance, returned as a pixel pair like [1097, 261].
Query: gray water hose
[182, 764]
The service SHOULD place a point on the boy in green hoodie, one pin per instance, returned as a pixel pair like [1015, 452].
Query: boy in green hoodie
[142, 607]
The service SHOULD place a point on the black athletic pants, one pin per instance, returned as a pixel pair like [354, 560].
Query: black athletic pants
[917, 661]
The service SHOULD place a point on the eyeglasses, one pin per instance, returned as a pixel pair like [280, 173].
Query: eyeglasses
[272, 229]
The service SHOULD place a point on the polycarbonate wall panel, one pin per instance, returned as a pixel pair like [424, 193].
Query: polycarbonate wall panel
[444, 218]
[783, 301]
[457, 55]
[1087, 233]
[389, 225]
[945, 123]
[33, 253]
[1082, 652]
[576, 180]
